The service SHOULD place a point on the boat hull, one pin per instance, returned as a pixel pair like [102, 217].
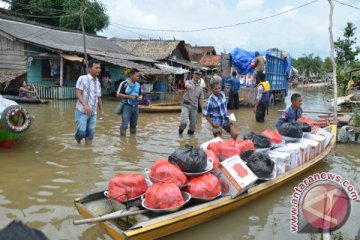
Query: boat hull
[160, 108]
[25, 100]
[8, 138]
[198, 214]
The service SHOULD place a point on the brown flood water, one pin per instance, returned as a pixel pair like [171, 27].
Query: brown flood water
[42, 175]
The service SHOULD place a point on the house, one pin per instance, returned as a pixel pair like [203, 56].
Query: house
[171, 52]
[196, 53]
[53, 58]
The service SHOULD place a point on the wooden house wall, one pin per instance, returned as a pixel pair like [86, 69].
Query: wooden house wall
[12, 54]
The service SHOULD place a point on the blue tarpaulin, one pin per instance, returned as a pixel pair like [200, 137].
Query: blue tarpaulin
[241, 60]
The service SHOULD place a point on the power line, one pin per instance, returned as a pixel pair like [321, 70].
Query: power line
[348, 5]
[35, 16]
[125, 29]
[224, 26]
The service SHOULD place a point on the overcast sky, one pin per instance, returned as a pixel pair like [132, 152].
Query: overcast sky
[302, 31]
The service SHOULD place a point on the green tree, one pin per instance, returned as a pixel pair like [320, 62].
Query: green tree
[308, 64]
[63, 13]
[95, 18]
[327, 65]
[345, 49]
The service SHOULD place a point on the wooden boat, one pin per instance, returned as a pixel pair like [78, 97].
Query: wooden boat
[150, 225]
[14, 121]
[25, 100]
[328, 119]
[160, 108]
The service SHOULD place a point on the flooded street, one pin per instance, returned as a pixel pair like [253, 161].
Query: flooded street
[42, 175]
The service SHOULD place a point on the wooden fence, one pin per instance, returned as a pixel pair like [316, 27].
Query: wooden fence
[55, 92]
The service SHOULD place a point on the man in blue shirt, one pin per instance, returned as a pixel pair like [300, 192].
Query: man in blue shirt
[130, 94]
[215, 112]
[234, 85]
[292, 113]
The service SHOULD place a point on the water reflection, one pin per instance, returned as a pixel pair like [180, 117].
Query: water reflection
[42, 175]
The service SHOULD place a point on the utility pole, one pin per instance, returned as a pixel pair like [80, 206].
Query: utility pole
[333, 59]
[82, 13]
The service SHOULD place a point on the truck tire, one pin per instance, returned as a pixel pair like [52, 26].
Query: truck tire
[282, 97]
[19, 125]
[271, 100]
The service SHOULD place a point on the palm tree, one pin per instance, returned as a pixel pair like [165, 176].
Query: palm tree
[308, 65]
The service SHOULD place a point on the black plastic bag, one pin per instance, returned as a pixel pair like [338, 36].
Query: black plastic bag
[305, 127]
[290, 130]
[244, 155]
[261, 164]
[190, 159]
[259, 141]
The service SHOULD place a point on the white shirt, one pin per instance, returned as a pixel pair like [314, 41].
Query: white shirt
[202, 83]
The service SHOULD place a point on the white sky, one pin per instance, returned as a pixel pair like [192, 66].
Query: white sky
[302, 31]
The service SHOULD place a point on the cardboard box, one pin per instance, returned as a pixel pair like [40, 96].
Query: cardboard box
[295, 156]
[304, 151]
[206, 144]
[314, 147]
[319, 138]
[281, 161]
[234, 175]
[322, 132]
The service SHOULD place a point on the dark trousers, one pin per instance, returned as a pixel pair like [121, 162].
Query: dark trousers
[233, 99]
[260, 112]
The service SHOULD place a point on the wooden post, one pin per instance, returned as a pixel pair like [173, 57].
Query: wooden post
[61, 70]
[333, 59]
[82, 12]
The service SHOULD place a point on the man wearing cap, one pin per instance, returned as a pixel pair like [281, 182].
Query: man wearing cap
[259, 65]
[193, 98]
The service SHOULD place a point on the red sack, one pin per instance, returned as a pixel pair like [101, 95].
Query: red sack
[306, 120]
[215, 147]
[274, 136]
[215, 160]
[230, 142]
[163, 195]
[204, 186]
[245, 145]
[163, 171]
[123, 187]
[227, 151]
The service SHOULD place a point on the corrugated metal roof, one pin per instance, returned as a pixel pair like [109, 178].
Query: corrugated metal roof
[128, 64]
[185, 63]
[57, 39]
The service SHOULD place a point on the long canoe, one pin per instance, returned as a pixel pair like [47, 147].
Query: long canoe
[150, 225]
[160, 108]
[25, 100]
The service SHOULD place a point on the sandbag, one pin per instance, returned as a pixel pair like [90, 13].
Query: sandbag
[306, 120]
[305, 127]
[123, 187]
[163, 195]
[274, 136]
[189, 159]
[258, 140]
[290, 130]
[214, 159]
[261, 164]
[204, 186]
[163, 171]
